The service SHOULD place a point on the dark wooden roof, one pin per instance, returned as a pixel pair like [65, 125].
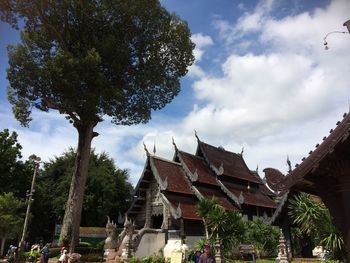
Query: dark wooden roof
[172, 173]
[196, 164]
[187, 206]
[232, 163]
[319, 157]
[251, 196]
[219, 195]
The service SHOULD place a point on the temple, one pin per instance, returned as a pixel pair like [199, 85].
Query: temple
[167, 192]
[325, 173]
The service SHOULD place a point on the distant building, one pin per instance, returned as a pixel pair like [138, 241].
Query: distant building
[168, 191]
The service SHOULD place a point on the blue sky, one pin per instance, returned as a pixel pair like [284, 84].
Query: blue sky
[261, 80]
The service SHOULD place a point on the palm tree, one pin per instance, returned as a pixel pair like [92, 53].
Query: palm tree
[314, 219]
[204, 207]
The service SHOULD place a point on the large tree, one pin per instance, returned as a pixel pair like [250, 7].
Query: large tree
[91, 59]
[108, 192]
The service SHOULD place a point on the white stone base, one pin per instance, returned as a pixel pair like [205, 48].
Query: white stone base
[173, 245]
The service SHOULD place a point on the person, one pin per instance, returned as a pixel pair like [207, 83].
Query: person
[195, 256]
[34, 252]
[64, 257]
[207, 257]
[45, 254]
[11, 254]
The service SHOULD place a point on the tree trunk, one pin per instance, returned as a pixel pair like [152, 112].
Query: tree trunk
[3, 240]
[72, 215]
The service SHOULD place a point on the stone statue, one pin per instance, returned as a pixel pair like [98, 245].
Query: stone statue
[111, 240]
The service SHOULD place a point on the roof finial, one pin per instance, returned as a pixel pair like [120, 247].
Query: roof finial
[154, 148]
[145, 148]
[257, 168]
[242, 151]
[173, 141]
[289, 164]
[195, 134]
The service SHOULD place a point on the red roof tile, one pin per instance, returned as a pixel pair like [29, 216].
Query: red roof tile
[188, 206]
[196, 163]
[172, 172]
[219, 195]
[233, 163]
[251, 196]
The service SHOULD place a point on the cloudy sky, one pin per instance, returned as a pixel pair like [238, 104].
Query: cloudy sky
[262, 80]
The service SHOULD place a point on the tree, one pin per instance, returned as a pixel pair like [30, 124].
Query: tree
[91, 59]
[204, 208]
[15, 175]
[314, 219]
[263, 236]
[11, 218]
[226, 226]
[107, 193]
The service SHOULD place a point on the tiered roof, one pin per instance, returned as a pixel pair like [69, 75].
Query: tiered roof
[213, 171]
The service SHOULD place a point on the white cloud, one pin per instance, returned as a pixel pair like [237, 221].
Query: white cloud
[277, 102]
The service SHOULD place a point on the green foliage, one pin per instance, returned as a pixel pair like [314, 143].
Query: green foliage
[15, 175]
[128, 66]
[11, 216]
[225, 225]
[107, 192]
[264, 237]
[314, 219]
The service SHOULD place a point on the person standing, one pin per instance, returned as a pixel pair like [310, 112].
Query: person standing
[207, 257]
[45, 254]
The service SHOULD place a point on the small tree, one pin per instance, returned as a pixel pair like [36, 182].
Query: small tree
[92, 59]
[226, 226]
[314, 220]
[11, 218]
[263, 236]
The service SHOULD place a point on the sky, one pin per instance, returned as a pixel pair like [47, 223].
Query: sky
[262, 80]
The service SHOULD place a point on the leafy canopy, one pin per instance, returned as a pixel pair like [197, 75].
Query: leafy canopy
[88, 59]
[11, 216]
[15, 175]
[107, 192]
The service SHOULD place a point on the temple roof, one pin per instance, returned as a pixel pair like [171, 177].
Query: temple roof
[250, 196]
[197, 166]
[219, 195]
[232, 163]
[172, 173]
[188, 207]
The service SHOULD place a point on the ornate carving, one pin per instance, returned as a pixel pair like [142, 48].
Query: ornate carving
[241, 198]
[195, 175]
[178, 212]
[111, 240]
[221, 169]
